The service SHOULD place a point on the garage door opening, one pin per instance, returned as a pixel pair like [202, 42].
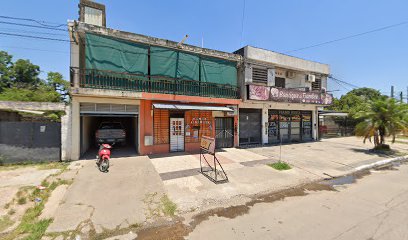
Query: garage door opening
[92, 120]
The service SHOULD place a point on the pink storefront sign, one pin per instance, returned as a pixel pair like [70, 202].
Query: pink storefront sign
[264, 93]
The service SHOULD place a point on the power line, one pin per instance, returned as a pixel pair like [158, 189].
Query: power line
[341, 85]
[350, 36]
[36, 37]
[344, 82]
[33, 26]
[15, 30]
[42, 23]
[35, 49]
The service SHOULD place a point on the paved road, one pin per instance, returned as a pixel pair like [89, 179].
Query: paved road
[375, 207]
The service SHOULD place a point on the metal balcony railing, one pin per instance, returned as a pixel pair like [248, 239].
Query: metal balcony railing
[101, 79]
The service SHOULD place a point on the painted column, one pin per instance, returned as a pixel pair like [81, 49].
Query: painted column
[315, 124]
[76, 130]
[264, 123]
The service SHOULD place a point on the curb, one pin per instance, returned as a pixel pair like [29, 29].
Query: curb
[381, 163]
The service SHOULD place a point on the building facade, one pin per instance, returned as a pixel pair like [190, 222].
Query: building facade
[166, 94]
[281, 97]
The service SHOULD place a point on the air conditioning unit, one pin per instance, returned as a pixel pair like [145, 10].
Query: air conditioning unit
[307, 89]
[310, 78]
[324, 90]
[290, 74]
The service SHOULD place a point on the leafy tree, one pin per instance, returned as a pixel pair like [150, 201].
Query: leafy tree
[384, 117]
[356, 100]
[25, 74]
[42, 94]
[20, 81]
[6, 66]
[61, 86]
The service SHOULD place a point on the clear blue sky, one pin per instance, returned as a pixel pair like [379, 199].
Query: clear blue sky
[376, 60]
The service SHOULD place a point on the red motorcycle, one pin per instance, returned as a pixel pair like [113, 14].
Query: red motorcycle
[103, 157]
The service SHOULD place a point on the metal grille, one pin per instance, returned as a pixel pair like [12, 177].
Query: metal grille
[107, 108]
[100, 79]
[260, 75]
[317, 84]
[224, 132]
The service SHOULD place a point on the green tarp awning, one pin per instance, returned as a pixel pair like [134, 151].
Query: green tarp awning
[104, 53]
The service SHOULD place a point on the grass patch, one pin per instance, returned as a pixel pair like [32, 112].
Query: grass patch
[30, 227]
[5, 222]
[22, 200]
[279, 166]
[168, 207]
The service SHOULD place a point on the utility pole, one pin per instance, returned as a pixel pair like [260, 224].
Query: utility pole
[392, 91]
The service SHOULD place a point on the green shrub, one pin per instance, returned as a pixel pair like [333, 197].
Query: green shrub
[280, 166]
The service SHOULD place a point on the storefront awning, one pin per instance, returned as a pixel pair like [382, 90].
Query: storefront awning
[191, 107]
[334, 114]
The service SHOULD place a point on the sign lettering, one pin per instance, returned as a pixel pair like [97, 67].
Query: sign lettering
[265, 93]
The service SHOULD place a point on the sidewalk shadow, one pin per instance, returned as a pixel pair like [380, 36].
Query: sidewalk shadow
[389, 153]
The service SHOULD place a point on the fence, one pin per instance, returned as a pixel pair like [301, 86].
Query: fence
[30, 141]
[90, 78]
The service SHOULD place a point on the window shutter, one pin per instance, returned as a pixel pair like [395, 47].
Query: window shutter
[260, 75]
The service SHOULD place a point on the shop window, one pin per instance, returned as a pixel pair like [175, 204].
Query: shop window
[198, 124]
[161, 126]
[279, 82]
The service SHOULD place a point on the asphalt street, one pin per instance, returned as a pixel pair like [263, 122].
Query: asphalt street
[373, 207]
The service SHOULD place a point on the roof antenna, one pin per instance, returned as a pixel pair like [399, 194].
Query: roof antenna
[182, 41]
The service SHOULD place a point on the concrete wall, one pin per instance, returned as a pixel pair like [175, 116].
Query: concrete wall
[44, 106]
[86, 133]
[66, 131]
[285, 61]
[16, 154]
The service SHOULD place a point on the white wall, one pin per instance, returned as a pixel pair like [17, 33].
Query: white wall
[285, 61]
[66, 134]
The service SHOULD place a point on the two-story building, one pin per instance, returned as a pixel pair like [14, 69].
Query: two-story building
[281, 95]
[166, 94]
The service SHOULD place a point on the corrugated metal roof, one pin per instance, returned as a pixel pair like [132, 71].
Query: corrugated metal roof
[191, 107]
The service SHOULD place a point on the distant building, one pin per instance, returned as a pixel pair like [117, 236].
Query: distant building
[281, 96]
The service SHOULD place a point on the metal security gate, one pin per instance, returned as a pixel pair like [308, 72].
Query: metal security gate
[250, 126]
[176, 134]
[224, 132]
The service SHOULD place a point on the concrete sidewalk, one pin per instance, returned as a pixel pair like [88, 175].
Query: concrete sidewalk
[249, 175]
[99, 201]
[129, 195]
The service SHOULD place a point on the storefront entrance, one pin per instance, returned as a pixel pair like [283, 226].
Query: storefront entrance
[289, 126]
[224, 132]
[250, 126]
[176, 134]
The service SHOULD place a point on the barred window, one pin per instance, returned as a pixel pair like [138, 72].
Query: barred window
[317, 84]
[161, 126]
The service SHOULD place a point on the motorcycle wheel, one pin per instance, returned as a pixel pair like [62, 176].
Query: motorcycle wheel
[104, 165]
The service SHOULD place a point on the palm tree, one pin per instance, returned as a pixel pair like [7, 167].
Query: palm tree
[385, 117]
